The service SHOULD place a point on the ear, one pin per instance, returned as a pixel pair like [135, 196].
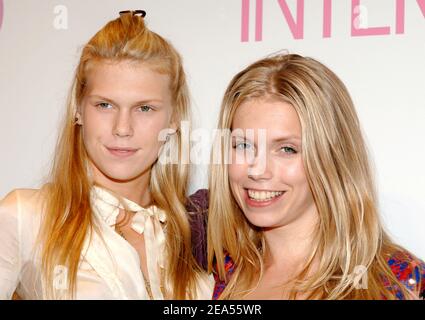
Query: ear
[78, 119]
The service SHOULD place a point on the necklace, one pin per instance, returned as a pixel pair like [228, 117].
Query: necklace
[148, 286]
[147, 282]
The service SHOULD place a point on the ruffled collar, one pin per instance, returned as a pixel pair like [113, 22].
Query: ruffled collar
[146, 221]
[107, 206]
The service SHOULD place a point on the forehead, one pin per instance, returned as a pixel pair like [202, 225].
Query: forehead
[277, 116]
[125, 76]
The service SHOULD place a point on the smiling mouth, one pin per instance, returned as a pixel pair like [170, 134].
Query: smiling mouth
[263, 196]
[118, 151]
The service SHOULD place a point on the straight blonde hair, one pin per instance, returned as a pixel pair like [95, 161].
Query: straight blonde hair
[68, 216]
[349, 233]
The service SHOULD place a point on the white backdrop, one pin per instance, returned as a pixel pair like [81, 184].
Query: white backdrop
[40, 42]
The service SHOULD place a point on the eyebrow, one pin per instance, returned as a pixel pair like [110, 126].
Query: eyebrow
[145, 101]
[287, 138]
[276, 140]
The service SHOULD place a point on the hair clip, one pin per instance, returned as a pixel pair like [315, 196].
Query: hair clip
[134, 12]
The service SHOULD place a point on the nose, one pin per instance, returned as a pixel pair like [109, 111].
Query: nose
[123, 124]
[260, 168]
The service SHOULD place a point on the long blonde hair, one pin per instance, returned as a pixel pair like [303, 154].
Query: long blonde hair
[68, 217]
[349, 233]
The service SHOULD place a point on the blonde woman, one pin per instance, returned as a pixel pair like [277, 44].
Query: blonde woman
[112, 222]
[293, 209]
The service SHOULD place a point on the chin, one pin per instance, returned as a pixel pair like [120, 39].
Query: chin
[261, 220]
[258, 220]
[121, 175]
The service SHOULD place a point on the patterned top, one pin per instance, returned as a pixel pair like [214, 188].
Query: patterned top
[409, 271]
[197, 207]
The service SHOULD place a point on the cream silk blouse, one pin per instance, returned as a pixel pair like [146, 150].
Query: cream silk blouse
[109, 269]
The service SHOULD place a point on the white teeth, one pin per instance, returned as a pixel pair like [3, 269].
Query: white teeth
[263, 195]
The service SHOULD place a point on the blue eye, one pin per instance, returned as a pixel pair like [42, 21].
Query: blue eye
[145, 108]
[242, 145]
[288, 150]
[104, 105]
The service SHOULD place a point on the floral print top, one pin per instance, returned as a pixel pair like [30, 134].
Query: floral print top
[409, 271]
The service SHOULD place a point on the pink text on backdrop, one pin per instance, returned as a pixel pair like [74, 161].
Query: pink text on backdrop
[296, 25]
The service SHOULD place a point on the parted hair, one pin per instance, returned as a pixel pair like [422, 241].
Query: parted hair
[349, 233]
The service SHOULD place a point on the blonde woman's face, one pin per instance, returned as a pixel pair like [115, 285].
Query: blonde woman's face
[266, 173]
[124, 108]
